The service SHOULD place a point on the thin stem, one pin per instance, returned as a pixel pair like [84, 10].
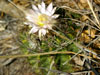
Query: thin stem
[90, 5]
[41, 54]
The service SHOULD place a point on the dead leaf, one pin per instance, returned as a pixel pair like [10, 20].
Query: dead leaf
[91, 32]
[84, 18]
[97, 1]
[78, 61]
[97, 44]
[85, 38]
[83, 4]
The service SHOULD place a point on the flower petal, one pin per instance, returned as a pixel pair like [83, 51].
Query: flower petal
[39, 7]
[29, 18]
[43, 31]
[55, 16]
[50, 7]
[33, 30]
[43, 4]
[40, 34]
[35, 8]
[30, 12]
[43, 7]
[53, 11]
[48, 13]
[29, 23]
[48, 26]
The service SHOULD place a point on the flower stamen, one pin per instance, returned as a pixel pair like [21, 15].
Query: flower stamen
[42, 19]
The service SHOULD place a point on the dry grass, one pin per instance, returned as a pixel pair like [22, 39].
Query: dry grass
[73, 45]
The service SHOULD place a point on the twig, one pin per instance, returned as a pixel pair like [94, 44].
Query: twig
[84, 23]
[71, 58]
[93, 41]
[90, 5]
[74, 10]
[41, 54]
[78, 73]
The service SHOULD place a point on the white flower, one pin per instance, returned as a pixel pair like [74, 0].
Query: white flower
[41, 19]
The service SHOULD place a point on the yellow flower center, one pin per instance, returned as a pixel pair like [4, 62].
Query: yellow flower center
[41, 19]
